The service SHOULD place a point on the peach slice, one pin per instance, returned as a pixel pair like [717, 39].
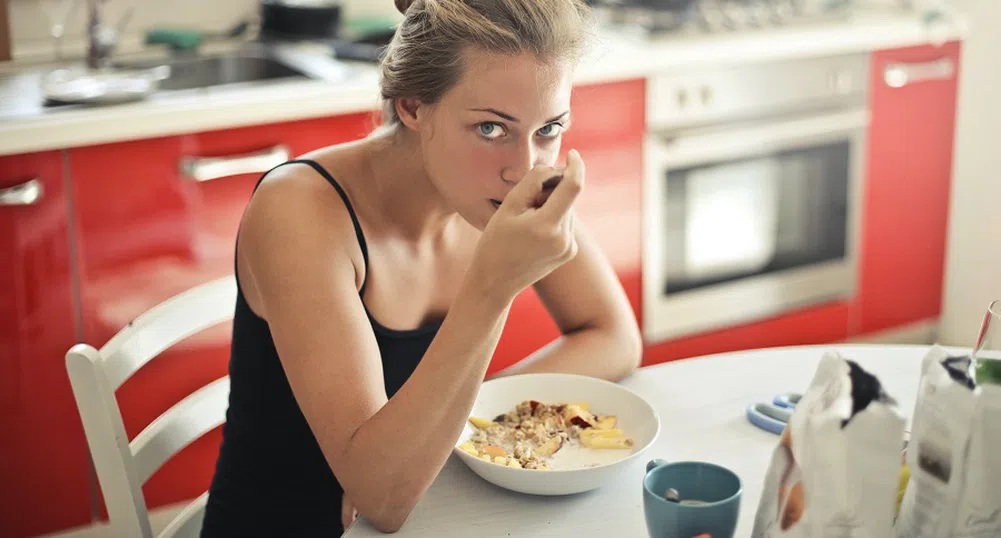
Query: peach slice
[481, 423]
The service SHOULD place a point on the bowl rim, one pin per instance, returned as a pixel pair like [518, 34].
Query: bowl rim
[549, 472]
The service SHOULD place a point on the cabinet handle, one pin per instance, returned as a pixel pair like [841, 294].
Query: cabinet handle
[898, 75]
[209, 168]
[27, 193]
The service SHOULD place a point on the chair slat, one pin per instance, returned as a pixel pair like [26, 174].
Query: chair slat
[95, 375]
[189, 419]
[188, 524]
[166, 324]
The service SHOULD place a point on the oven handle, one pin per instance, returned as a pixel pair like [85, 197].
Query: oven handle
[898, 75]
[690, 148]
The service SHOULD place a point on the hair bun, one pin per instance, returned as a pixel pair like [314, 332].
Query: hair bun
[402, 5]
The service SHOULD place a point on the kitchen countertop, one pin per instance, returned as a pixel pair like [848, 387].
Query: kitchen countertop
[702, 418]
[26, 126]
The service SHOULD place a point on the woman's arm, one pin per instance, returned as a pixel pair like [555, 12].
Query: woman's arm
[299, 260]
[600, 336]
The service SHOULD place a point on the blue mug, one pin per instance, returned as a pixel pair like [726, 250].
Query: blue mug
[709, 499]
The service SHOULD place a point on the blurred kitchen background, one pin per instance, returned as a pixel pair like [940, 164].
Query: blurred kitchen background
[761, 173]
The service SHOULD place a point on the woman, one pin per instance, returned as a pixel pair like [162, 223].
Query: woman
[375, 277]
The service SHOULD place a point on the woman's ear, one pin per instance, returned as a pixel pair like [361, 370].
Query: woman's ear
[406, 109]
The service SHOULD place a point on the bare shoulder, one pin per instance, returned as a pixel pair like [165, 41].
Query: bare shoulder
[294, 221]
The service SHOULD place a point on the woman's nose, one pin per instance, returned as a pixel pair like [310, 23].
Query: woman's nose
[523, 159]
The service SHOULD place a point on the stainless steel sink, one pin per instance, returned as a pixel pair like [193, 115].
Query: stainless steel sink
[207, 71]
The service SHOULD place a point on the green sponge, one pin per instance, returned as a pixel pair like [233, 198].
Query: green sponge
[175, 38]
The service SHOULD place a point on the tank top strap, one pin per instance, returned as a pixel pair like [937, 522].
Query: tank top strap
[347, 204]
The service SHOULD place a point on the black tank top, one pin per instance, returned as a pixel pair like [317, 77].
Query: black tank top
[271, 478]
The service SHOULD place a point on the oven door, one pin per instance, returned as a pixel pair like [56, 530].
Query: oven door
[751, 220]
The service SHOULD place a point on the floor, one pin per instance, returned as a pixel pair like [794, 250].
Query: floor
[159, 519]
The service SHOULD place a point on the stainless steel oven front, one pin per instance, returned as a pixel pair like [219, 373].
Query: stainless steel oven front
[752, 192]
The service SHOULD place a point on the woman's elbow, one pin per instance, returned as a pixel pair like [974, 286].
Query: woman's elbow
[391, 516]
[389, 521]
[388, 526]
[631, 349]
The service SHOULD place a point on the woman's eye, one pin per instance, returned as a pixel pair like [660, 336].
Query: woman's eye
[551, 130]
[490, 130]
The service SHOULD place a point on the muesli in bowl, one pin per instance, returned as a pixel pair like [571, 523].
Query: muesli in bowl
[530, 434]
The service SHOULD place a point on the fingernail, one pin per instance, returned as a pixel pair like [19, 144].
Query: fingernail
[573, 153]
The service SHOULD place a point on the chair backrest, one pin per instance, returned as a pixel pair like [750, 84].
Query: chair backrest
[95, 374]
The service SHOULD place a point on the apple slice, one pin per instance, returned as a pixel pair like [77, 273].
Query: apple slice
[607, 434]
[549, 447]
[606, 442]
[573, 414]
[494, 451]
[605, 423]
[481, 423]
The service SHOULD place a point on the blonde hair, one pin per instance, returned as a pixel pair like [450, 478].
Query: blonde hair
[425, 57]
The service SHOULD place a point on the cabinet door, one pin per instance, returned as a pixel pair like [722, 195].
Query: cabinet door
[43, 456]
[905, 213]
[607, 130]
[156, 218]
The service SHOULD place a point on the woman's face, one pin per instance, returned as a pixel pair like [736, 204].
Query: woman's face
[505, 115]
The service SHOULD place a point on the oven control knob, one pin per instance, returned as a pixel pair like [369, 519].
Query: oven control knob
[682, 97]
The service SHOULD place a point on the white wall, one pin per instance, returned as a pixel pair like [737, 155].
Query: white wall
[973, 263]
[30, 24]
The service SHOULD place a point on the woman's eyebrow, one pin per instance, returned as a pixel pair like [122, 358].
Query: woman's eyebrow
[513, 119]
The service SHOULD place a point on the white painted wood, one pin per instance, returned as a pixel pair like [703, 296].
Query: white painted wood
[188, 523]
[122, 467]
[184, 422]
[701, 405]
[166, 324]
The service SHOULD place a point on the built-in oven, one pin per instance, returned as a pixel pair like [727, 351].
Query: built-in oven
[752, 192]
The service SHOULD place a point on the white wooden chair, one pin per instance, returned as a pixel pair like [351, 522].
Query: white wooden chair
[123, 466]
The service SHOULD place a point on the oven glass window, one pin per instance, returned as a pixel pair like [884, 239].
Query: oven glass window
[757, 215]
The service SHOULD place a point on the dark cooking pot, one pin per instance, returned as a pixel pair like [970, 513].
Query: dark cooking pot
[300, 19]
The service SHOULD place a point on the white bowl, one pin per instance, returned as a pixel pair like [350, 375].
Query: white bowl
[573, 469]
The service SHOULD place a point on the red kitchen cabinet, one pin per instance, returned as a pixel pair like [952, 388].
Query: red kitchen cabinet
[607, 129]
[147, 229]
[43, 456]
[822, 324]
[906, 193]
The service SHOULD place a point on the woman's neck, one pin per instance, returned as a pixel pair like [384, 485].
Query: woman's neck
[402, 189]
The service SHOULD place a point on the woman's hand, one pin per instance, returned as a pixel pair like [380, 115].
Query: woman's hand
[348, 513]
[531, 234]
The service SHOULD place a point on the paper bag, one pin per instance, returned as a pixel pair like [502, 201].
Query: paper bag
[954, 455]
[836, 469]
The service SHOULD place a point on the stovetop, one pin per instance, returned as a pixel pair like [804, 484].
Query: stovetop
[717, 16]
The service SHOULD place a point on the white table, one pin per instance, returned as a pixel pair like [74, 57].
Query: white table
[701, 404]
